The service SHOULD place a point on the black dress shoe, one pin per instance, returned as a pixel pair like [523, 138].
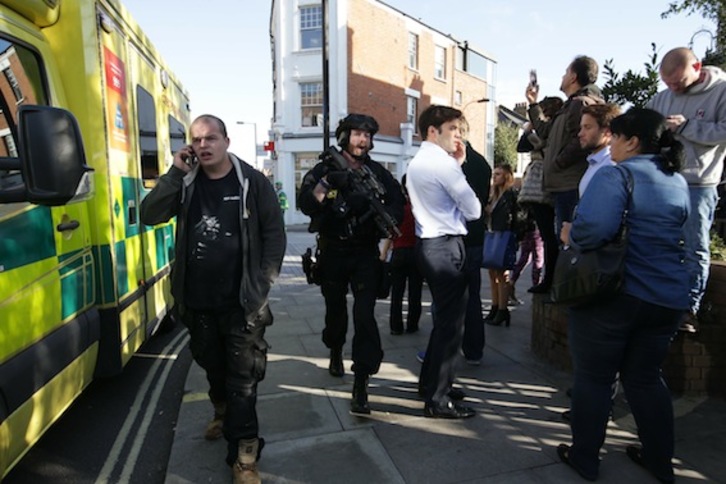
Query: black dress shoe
[563, 451]
[448, 410]
[412, 329]
[396, 332]
[636, 455]
[455, 394]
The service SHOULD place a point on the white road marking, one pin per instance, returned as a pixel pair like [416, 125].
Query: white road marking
[104, 477]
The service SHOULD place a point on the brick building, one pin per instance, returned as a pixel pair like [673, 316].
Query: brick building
[381, 62]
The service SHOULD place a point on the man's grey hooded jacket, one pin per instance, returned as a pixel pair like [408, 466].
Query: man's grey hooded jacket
[704, 133]
[262, 232]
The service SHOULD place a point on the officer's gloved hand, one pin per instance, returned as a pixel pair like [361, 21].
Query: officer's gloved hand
[358, 203]
[338, 179]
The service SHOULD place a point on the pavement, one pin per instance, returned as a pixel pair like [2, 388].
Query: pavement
[311, 437]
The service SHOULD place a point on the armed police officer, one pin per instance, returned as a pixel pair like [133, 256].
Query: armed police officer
[353, 202]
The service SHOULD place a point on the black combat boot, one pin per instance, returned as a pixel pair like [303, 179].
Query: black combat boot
[359, 402]
[336, 362]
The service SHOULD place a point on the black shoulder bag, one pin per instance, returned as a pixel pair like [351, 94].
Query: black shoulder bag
[594, 275]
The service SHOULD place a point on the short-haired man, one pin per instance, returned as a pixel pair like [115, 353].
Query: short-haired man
[694, 105]
[565, 161]
[349, 254]
[478, 175]
[229, 249]
[595, 137]
[442, 202]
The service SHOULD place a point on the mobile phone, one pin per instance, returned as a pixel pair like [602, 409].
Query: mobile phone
[533, 78]
[190, 160]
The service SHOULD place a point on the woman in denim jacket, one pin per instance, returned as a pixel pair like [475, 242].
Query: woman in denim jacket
[631, 333]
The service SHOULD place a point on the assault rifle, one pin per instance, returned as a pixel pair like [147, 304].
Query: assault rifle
[364, 182]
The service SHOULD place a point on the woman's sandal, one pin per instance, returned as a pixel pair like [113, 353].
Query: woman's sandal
[563, 451]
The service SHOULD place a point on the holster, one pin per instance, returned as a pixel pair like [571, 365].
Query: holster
[310, 266]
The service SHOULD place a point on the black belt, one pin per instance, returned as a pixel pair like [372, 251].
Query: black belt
[445, 237]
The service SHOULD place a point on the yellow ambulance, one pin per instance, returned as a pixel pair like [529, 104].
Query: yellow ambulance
[89, 117]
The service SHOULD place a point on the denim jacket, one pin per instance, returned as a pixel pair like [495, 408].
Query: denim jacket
[654, 266]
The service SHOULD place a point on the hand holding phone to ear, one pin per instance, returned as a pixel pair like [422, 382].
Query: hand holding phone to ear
[185, 159]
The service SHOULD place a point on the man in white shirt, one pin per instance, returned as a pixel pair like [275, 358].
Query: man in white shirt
[442, 202]
[595, 137]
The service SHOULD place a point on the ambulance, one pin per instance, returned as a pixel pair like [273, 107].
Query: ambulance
[89, 118]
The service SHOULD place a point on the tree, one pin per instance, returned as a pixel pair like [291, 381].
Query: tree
[636, 88]
[710, 9]
[632, 88]
[506, 136]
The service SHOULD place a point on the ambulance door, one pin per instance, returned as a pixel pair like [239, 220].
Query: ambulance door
[123, 178]
[149, 124]
[46, 272]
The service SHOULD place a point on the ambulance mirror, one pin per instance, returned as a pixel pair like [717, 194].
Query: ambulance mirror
[52, 158]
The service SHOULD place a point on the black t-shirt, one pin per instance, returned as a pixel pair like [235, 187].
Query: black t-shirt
[214, 262]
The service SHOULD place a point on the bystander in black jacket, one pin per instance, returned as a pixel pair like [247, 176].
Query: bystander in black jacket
[478, 175]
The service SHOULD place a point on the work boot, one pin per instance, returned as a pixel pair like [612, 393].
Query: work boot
[359, 402]
[335, 367]
[244, 470]
[215, 428]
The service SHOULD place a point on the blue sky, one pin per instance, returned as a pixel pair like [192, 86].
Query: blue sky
[220, 49]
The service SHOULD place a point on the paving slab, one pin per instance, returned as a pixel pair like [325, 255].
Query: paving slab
[312, 438]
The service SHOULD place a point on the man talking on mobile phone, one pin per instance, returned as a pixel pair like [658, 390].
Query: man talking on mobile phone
[442, 203]
[229, 249]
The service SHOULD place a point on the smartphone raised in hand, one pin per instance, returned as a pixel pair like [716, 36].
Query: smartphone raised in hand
[533, 78]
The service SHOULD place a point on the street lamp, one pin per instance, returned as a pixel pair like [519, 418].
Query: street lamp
[254, 125]
[485, 131]
[482, 100]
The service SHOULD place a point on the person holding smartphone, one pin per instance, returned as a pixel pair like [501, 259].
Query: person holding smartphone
[565, 161]
[229, 249]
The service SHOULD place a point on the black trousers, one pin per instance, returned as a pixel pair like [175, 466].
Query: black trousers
[357, 267]
[442, 263]
[234, 358]
[404, 268]
[544, 216]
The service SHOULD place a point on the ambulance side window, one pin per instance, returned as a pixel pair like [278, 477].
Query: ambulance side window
[177, 134]
[148, 143]
[22, 81]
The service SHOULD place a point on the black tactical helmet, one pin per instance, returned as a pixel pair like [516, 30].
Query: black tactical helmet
[354, 121]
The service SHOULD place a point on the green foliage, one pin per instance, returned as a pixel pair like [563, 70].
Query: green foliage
[710, 9]
[632, 88]
[717, 247]
[714, 10]
[506, 137]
